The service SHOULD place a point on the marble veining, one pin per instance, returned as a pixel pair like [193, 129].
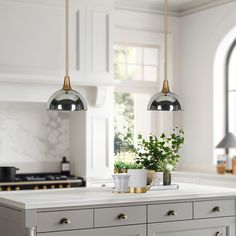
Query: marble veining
[29, 133]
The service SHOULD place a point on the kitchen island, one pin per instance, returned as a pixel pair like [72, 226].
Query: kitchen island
[192, 210]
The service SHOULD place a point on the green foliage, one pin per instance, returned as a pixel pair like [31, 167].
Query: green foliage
[134, 166]
[122, 167]
[160, 153]
[123, 123]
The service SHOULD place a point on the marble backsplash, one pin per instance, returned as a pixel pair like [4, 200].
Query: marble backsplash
[31, 137]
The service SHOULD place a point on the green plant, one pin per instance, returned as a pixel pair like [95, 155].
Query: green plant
[122, 167]
[160, 153]
[134, 166]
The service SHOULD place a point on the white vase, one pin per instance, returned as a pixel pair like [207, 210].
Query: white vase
[138, 180]
[121, 183]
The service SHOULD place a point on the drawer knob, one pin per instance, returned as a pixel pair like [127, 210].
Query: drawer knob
[172, 213]
[64, 221]
[219, 234]
[122, 216]
[216, 209]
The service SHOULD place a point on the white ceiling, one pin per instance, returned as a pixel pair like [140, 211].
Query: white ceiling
[178, 7]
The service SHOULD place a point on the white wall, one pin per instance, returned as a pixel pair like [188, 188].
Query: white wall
[201, 35]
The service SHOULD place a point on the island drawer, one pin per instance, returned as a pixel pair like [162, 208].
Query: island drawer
[170, 212]
[119, 216]
[64, 220]
[209, 209]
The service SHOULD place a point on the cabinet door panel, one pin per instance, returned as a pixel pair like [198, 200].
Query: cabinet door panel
[136, 230]
[208, 227]
[194, 232]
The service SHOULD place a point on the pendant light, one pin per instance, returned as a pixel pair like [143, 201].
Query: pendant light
[165, 100]
[66, 99]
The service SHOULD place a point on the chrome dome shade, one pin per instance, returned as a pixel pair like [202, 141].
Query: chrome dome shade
[66, 100]
[164, 102]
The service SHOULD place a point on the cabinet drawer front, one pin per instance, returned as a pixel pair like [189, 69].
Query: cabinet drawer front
[120, 216]
[170, 212]
[138, 230]
[64, 220]
[208, 209]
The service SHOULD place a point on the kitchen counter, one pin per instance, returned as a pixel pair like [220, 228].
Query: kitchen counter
[190, 210]
[41, 199]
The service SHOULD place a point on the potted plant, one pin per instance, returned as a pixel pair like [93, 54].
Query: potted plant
[160, 154]
[138, 178]
[120, 177]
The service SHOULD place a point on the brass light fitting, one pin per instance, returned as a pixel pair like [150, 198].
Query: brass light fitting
[165, 100]
[67, 99]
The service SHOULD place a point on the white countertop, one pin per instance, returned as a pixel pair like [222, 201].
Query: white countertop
[80, 197]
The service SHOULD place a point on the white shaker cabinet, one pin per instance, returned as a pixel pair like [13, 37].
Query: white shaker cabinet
[32, 42]
[99, 43]
[206, 227]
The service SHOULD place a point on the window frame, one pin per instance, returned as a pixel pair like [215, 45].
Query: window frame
[142, 46]
[227, 90]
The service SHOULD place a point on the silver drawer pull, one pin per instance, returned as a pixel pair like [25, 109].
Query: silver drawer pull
[171, 213]
[122, 216]
[64, 221]
[216, 209]
[219, 234]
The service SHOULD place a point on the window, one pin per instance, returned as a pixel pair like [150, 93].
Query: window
[133, 63]
[136, 63]
[124, 126]
[231, 92]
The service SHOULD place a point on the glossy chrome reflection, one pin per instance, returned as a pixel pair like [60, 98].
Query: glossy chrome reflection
[164, 102]
[67, 99]
[70, 100]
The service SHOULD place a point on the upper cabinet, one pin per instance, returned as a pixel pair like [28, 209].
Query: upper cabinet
[99, 40]
[32, 41]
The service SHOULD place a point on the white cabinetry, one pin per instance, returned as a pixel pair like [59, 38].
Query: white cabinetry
[32, 45]
[99, 46]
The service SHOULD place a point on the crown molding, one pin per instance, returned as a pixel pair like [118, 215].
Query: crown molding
[203, 7]
[141, 6]
[153, 8]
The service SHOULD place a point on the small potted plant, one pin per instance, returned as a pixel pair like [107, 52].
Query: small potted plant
[160, 154]
[138, 178]
[120, 177]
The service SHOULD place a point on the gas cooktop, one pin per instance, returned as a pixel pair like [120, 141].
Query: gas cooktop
[35, 181]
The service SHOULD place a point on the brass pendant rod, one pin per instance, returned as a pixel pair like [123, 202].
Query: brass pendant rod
[67, 38]
[165, 39]
[66, 85]
[165, 88]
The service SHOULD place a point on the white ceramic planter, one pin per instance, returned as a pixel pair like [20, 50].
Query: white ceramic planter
[121, 183]
[138, 180]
